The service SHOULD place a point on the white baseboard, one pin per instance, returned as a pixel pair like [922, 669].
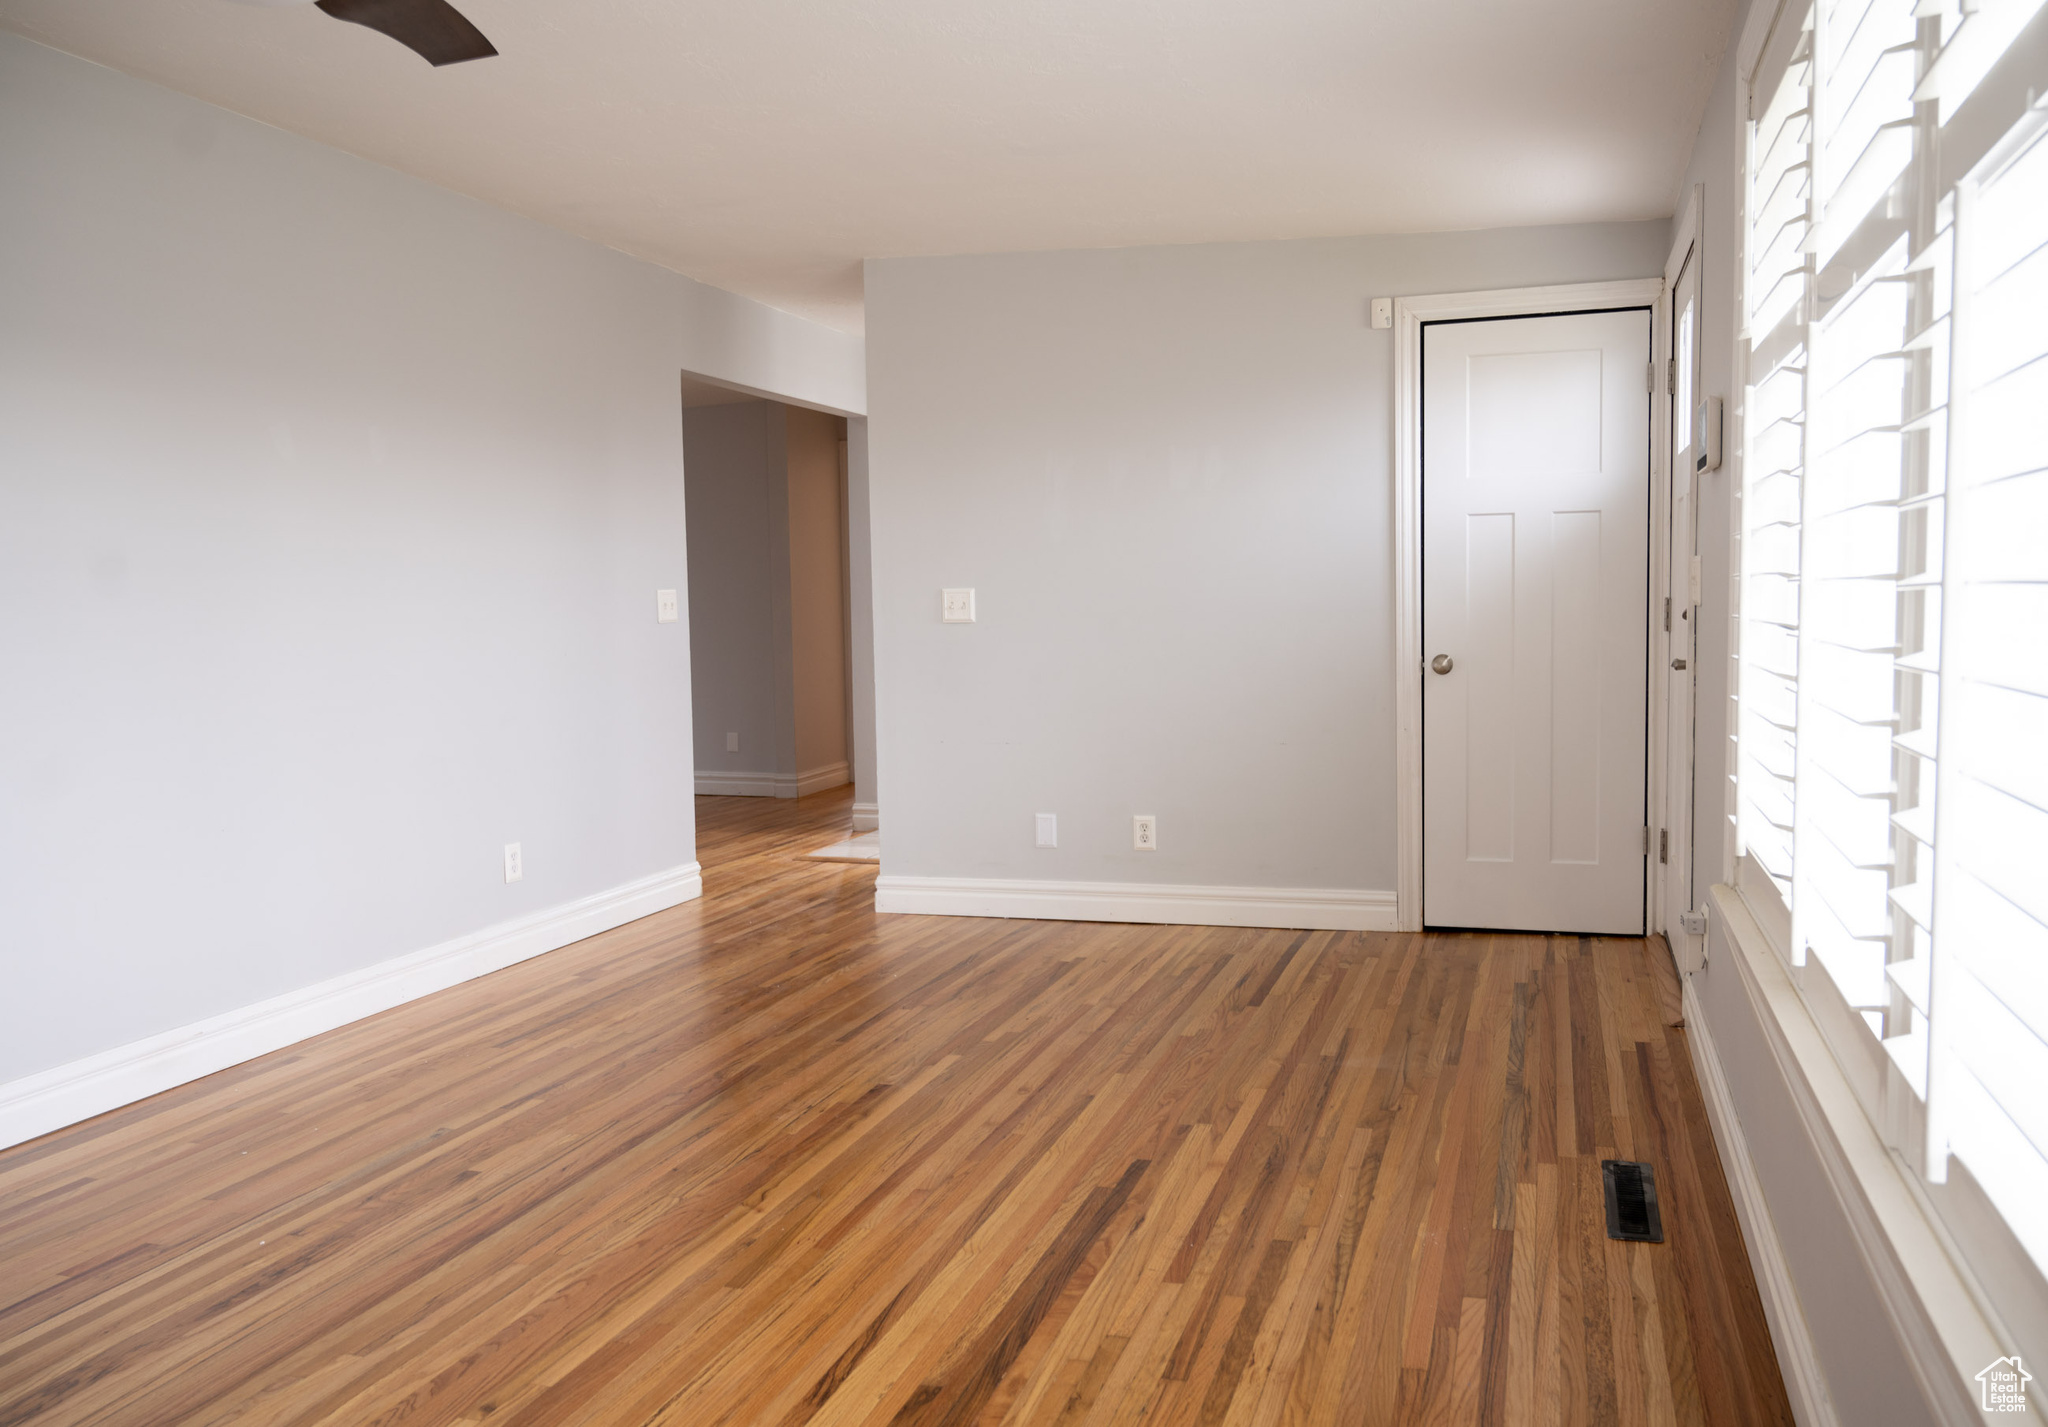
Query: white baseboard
[1316, 909]
[52, 1099]
[867, 817]
[1805, 1383]
[817, 780]
[745, 785]
[772, 785]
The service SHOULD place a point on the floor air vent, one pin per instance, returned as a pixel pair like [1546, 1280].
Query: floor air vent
[1632, 1201]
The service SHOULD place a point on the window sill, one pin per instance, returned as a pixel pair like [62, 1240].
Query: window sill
[1941, 1324]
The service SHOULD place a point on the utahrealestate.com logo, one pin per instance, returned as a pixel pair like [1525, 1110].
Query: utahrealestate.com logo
[2005, 1386]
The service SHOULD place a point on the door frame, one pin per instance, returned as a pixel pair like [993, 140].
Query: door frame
[1665, 734]
[1410, 313]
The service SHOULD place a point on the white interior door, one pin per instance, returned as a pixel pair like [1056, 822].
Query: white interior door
[1535, 585]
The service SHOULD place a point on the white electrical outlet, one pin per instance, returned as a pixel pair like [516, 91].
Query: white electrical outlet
[1048, 830]
[664, 606]
[515, 865]
[732, 743]
[1145, 832]
[956, 606]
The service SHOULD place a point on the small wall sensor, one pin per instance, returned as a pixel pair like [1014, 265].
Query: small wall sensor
[1707, 445]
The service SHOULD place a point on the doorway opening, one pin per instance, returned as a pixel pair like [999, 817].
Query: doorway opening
[771, 595]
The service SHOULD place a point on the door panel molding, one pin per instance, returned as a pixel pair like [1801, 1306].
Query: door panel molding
[1409, 315]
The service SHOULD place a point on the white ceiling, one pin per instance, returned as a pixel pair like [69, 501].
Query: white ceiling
[767, 146]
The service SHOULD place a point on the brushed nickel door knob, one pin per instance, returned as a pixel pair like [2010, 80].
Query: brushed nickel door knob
[1442, 663]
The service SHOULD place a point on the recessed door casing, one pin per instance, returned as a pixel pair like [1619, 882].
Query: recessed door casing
[1535, 532]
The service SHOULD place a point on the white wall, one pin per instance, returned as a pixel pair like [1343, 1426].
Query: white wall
[332, 508]
[1166, 471]
[735, 460]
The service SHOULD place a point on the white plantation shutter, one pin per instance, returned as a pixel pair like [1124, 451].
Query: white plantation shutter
[1863, 507]
[1892, 729]
[1989, 1080]
[1778, 204]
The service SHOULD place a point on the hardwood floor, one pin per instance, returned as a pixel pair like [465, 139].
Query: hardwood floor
[769, 1158]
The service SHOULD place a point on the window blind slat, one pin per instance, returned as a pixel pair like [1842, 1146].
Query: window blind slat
[2005, 1054]
[2003, 947]
[1788, 45]
[2013, 1175]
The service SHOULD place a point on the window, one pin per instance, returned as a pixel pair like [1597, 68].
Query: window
[1988, 1076]
[1891, 763]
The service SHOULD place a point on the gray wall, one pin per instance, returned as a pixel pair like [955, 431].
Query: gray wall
[1167, 473]
[735, 460]
[332, 508]
[768, 622]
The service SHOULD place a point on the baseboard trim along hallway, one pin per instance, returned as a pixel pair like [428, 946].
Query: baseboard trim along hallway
[1805, 1383]
[1308, 908]
[37, 1104]
[773, 785]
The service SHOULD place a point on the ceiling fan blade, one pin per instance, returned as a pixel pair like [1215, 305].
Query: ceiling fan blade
[434, 28]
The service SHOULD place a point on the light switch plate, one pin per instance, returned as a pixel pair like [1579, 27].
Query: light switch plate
[1145, 832]
[1048, 830]
[1383, 312]
[664, 606]
[956, 606]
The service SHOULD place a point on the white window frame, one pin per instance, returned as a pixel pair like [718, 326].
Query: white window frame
[1947, 1263]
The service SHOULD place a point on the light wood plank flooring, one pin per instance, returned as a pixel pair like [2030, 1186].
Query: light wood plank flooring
[769, 1158]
